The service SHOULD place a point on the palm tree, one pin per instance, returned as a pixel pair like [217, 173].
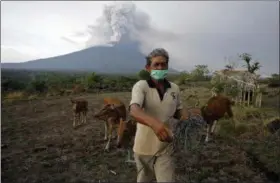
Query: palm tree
[252, 67]
[229, 67]
[143, 74]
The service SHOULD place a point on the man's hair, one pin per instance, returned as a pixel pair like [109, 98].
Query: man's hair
[157, 52]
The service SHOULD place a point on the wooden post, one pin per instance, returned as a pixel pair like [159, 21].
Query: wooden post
[240, 96]
[254, 97]
[260, 101]
[244, 95]
[248, 102]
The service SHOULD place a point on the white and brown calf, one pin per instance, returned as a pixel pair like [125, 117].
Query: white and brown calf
[80, 109]
[113, 115]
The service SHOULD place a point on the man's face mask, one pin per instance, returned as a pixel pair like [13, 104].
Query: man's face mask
[159, 74]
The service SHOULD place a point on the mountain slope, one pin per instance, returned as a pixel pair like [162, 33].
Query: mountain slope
[120, 21]
[119, 58]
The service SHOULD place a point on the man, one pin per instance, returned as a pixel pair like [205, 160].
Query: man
[154, 103]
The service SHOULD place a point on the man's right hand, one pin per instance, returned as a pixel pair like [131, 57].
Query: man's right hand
[162, 132]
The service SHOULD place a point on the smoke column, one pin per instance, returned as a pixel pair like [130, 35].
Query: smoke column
[123, 22]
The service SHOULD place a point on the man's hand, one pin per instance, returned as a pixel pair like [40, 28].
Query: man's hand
[162, 132]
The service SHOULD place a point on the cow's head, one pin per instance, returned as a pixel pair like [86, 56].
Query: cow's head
[204, 111]
[126, 132]
[74, 103]
[105, 111]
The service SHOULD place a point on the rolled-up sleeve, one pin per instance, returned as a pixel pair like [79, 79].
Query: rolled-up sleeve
[137, 94]
[179, 100]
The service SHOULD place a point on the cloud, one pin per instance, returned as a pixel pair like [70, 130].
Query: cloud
[195, 32]
[69, 40]
[124, 20]
[20, 53]
[24, 45]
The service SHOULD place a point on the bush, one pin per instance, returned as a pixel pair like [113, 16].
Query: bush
[274, 84]
[143, 75]
[37, 86]
[11, 85]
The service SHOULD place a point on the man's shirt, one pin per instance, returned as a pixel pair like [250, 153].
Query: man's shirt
[156, 104]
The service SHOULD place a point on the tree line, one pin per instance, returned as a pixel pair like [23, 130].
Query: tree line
[42, 82]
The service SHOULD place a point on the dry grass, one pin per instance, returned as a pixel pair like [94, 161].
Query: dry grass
[15, 96]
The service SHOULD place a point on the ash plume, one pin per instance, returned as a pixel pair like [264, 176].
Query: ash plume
[124, 23]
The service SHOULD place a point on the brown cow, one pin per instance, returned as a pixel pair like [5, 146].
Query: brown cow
[114, 114]
[215, 109]
[126, 134]
[80, 109]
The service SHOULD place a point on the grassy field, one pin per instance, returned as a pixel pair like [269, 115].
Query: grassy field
[40, 145]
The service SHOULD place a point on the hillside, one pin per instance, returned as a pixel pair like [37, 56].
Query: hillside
[121, 57]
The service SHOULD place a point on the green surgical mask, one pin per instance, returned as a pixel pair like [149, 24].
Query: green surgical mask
[158, 74]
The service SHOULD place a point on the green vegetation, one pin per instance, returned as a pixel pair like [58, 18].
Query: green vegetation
[251, 66]
[36, 83]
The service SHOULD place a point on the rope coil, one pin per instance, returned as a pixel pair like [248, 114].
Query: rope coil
[188, 133]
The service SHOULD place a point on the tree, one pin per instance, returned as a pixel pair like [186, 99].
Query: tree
[229, 67]
[12, 84]
[252, 67]
[274, 80]
[230, 64]
[37, 85]
[93, 80]
[143, 74]
[275, 76]
[183, 76]
[200, 72]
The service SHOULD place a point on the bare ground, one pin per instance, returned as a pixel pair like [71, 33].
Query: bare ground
[40, 145]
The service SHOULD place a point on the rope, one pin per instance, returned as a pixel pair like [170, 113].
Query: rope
[164, 147]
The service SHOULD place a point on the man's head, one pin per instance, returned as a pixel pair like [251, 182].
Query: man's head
[157, 63]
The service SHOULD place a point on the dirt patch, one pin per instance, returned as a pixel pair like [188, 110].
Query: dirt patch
[40, 145]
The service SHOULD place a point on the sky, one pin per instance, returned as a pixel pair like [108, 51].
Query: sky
[193, 32]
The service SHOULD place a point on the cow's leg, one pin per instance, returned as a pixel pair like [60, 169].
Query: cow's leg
[118, 131]
[213, 127]
[208, 132]
[114, 134]
[79, 118]
[85, 113]
[84, 117]
[110, 130]
[74, 120]
[106, 130]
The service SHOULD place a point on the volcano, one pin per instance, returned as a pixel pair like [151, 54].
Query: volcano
[122, 54]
